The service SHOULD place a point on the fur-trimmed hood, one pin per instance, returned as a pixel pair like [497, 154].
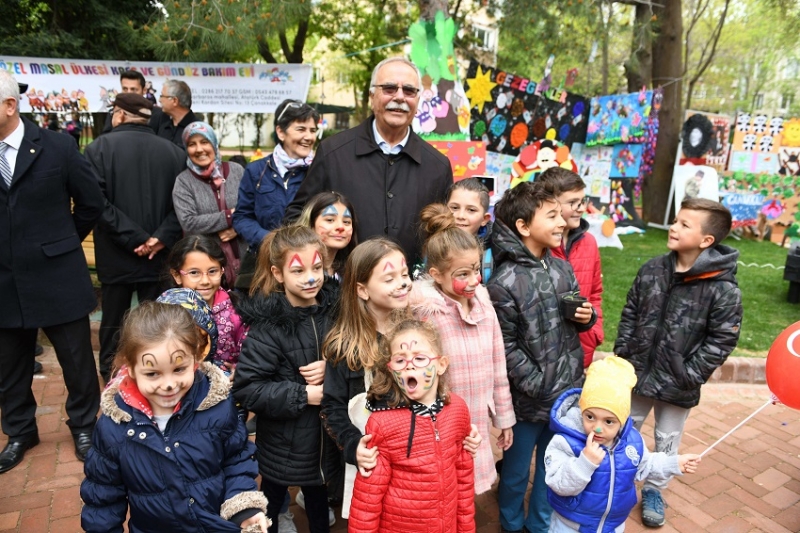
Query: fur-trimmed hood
[275, 311]
[218, 389]
[427, 300]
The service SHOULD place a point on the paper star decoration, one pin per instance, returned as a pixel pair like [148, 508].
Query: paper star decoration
[480, 89]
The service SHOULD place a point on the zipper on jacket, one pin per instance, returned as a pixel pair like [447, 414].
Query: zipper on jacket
[657, 337]
[610, 453]
[321, 428]
[441, 473]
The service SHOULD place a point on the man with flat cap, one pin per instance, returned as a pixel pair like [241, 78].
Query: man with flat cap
[49, 202]
[137, 170]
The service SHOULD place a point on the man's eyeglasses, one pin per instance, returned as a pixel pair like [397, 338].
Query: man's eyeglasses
[390, 89]
[575, 204]
[196, 275]
[166, 96]
[398, 363]
[290, 105]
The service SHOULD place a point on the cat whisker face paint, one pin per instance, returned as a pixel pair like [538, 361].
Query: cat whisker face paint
[164, 373]
[302, 276]
[389, 284]
[334, 225]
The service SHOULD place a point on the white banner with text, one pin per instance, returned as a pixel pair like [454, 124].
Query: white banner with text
[59, 85]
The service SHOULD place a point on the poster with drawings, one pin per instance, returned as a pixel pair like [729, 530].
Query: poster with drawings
[695, 181]
[594, 167]
[499, 166]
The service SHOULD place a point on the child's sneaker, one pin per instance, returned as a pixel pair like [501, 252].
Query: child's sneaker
[652, 508]
[286, 523]
[301, 501]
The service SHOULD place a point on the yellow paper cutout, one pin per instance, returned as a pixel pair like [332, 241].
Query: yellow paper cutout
[480, 89]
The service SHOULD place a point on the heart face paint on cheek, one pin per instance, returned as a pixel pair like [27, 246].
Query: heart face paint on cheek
[460, 286]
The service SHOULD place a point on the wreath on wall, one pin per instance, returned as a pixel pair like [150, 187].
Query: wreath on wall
[698, 134]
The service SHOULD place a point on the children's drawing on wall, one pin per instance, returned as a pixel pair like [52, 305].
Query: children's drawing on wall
[694, 181]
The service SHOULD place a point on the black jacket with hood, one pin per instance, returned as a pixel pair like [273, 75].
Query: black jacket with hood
[293, 449]
[678, 327]
[543, 354]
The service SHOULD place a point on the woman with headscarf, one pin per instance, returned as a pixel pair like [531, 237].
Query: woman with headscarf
[205, 195]
[269, 184]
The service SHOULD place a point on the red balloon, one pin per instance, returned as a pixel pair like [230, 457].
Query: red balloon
[783, 366]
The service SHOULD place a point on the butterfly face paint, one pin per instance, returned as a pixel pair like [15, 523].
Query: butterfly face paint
[411, 348]
[334, 225]
[302, 276]
[164, 374]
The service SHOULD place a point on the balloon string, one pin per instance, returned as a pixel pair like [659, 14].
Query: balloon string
[740, 424]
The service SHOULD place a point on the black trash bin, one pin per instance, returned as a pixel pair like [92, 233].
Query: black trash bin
[792, 274]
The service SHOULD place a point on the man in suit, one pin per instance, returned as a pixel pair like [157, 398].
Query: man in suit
[44, 279]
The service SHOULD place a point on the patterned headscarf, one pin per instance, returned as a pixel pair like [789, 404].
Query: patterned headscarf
[198, 308]
[214, 170]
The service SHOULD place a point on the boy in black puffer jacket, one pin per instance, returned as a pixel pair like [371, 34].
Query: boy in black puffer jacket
[543, 353]
[680, 323]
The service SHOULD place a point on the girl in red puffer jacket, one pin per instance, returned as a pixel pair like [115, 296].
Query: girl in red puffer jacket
[424, 480]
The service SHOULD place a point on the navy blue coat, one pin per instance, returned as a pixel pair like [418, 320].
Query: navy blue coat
[192, 478]
[44, 279]
[263, 199]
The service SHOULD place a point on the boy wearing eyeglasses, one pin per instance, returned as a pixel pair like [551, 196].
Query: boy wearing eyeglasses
[579, 247]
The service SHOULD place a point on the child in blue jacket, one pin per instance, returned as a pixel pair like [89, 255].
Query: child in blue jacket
[169, 445]
[594, 458]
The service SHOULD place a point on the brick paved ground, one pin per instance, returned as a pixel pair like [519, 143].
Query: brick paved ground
[749, 483]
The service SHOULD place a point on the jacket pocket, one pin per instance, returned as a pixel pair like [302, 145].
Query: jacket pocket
[61, 246]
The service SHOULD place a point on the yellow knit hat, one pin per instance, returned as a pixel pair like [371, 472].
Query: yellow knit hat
[608, 386]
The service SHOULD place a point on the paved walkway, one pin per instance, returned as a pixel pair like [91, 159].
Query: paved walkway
[749, 483]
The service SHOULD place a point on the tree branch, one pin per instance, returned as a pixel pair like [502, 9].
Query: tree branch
[287, 51]
[299, 41]
[265, 52]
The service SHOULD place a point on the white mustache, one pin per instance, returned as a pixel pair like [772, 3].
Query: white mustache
[402, 106]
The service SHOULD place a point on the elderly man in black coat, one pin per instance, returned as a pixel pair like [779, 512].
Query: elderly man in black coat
[44, 279]
[137, 171]
[385, 169]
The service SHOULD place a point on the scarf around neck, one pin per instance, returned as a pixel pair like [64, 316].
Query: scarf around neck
[284, 163]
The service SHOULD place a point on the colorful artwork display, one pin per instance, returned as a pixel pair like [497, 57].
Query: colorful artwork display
[744, 208]
[625, 160]
[443, 110]
[618, 118]
[499, 166]
[757, 133]
[565, 121]
[742, 161]
[621, 208]
[789, 161]
[468, 158]
[538, 157]
[791, 133]
[594, 167]
[780, 193]
[501, 108]
[694, 181]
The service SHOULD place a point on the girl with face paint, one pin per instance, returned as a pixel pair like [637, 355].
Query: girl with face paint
[333, 218]
[281, 370]
[169, 416]
[452, 298]
[424, 477]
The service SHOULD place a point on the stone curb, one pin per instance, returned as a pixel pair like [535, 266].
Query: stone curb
[751, 370]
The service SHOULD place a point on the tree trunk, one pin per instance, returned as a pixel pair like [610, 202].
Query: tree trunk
[606, 24]
[667, 71]
[638, 68]
[428, 8]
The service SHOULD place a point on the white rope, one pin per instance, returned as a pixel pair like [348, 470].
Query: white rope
[767, 265]
[740, 424]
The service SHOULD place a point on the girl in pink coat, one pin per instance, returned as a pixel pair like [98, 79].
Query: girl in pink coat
[452, 298]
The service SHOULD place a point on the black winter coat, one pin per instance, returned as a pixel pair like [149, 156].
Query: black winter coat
[293, 449]
[44, 280]
[342, 384]
[387, 192]
[544, 356]
[137, 172]
[678, 327]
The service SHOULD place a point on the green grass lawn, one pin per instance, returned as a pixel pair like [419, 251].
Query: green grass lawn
[766, 311]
